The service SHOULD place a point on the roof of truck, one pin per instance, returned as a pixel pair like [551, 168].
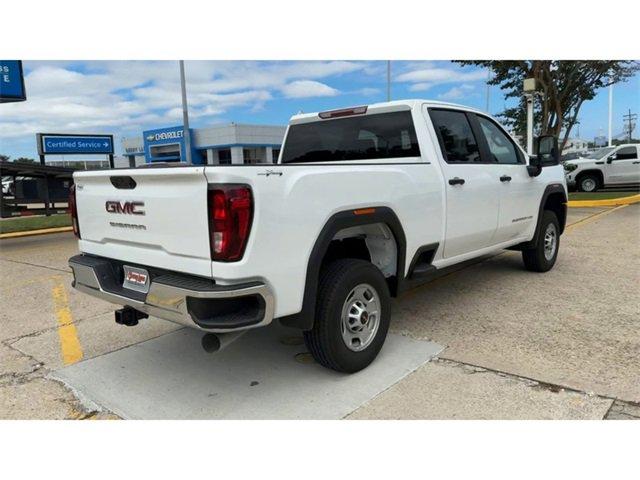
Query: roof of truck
[383, 106]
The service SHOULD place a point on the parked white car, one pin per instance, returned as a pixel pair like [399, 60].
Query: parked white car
[609, 166]
[363, 204]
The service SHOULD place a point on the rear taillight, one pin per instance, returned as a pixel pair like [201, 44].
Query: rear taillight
[230, 215]
[73, 210]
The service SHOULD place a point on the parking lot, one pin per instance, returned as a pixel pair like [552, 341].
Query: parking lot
[490, 341]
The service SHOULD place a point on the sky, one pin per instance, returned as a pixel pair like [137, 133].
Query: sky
[126, 97]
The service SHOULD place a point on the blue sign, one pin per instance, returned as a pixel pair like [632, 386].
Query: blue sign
[167, 145]
[63, 144]
[11, 81]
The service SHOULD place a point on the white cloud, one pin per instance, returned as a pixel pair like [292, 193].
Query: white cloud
[308, 88]
[457, 93]
[424, 75]
[110, 96]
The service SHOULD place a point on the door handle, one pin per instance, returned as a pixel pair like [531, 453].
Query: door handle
[456, 181]
[505, 178]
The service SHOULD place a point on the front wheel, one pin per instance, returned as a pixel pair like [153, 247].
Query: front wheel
[542, 257]
[352, 316]
[588, 183]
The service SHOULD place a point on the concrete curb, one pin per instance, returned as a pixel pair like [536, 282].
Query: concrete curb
[609, 202]
[31, 233]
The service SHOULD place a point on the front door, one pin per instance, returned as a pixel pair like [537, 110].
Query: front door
[472, 197]
[518, 198]
[623, 166]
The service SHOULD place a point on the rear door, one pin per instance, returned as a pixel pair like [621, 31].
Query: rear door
[624, 166]
[518, 195]
[147, 216]
[472, 196]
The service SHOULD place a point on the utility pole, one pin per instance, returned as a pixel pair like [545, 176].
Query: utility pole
[630, 119]
[185, 115]
[610, 113]
[388, 80]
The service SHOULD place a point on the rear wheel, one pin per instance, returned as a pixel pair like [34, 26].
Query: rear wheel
[542, 257]
[588, 183]
[352, 316]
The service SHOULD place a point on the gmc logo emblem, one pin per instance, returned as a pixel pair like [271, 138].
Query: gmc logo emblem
[129, 208]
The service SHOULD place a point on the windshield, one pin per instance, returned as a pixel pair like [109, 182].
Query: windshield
[600, 153]
[373, 136]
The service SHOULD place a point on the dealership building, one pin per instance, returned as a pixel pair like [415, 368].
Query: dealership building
[219, 144]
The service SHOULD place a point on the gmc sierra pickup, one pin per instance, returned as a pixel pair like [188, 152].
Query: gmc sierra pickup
[362, 204]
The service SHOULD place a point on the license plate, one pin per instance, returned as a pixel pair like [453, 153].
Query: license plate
[136, 279]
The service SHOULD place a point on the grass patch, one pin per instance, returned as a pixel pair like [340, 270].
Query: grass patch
[599, 195]
[24, 224]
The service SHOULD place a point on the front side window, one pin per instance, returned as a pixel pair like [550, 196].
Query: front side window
[457, 140]
[501, 148]
[627, 153]
[366, 137]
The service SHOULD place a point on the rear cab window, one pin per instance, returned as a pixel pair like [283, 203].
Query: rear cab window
[362, 137]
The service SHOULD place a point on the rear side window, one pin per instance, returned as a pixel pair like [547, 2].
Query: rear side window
[627, 153]
[373, 136]
[457, 140]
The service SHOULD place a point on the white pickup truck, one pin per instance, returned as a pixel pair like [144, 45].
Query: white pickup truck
[362, 204]
[617, 166]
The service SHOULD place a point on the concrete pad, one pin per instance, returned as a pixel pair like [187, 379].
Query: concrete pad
[577, 325]
[97, 336]
[256, 377]
[447, 390]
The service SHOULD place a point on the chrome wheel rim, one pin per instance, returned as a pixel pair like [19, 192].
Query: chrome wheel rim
[588, 184]
[550, 241]
[360, 317]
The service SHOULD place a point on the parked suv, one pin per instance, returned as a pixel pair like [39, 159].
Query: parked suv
[609, 166]
[363, 204]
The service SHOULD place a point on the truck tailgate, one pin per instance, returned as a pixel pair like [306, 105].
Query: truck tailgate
[155, 217]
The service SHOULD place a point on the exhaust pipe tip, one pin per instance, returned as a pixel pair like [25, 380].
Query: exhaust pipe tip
[210, 342]
[214, 342]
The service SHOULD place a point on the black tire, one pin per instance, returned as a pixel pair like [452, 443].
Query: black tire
[534, 258]
[585, 182]
[324, 340]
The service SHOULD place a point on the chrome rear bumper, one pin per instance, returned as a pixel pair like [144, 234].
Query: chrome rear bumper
[190, 301]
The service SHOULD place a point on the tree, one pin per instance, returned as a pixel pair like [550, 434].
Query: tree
[25, 160]
[563, 86]
[4, 158]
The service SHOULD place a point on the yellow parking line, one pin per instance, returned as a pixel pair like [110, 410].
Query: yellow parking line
[69, 343]
[592, 218]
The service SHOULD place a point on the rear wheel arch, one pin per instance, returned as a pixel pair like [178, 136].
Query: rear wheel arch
[336, 223]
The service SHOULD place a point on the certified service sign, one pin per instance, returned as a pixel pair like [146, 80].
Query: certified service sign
[11, 81]
[71, 144]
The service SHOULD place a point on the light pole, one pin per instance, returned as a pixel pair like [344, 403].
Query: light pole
[185, 115]
[610, 113]
[529, 88]
[388, 80]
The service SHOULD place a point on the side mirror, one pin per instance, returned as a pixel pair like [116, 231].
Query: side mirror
[546, 147]
[611, 158]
